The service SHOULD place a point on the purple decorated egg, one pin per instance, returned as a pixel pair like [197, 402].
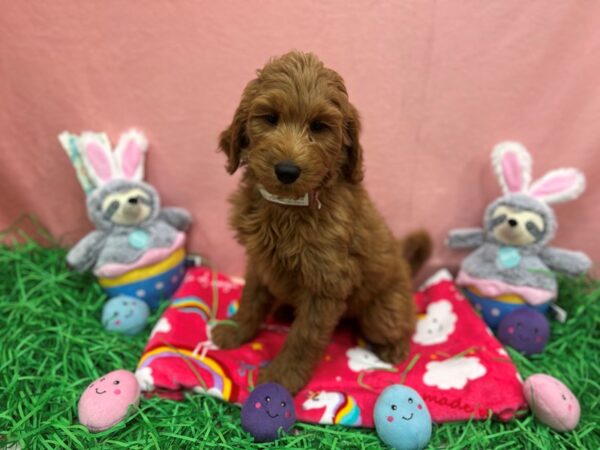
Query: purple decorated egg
[525, 330]
[552, 402]
[268, 411]
[106, 401]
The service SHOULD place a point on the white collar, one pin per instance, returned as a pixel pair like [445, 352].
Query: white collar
[305, 200]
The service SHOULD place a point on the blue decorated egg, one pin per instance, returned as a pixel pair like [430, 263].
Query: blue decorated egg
[125, 315]
[494, 309]
[402, 419]
[151, 283]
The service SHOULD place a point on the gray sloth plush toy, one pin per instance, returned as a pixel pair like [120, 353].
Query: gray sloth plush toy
[137, 248]
[130, 224]
[513, 264]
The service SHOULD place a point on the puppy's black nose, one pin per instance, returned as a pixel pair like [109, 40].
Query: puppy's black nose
[133, 200]
[512, 222]
[287, 172]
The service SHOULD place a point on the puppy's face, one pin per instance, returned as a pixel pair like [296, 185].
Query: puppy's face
[295, 128]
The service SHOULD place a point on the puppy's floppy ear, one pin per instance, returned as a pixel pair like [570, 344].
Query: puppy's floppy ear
[353, 169]
[234, 139]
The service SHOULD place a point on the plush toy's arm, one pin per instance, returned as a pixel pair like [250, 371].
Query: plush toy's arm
[465, 238]
[567, 261]
[83, 256]
[177, 217]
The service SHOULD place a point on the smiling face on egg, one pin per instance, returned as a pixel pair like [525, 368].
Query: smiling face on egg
[106, 400]
[125, 315]
[525, 330]
[552, 402]
[401, 418]
[268, 409]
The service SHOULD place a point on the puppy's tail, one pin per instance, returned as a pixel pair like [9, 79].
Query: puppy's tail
[416, 248]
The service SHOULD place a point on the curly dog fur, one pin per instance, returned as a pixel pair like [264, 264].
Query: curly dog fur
[339, 261]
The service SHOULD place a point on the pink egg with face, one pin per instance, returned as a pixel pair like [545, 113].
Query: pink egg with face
[552, 402]
[106, 401]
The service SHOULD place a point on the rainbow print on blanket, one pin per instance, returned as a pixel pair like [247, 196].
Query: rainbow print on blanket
[212, 376]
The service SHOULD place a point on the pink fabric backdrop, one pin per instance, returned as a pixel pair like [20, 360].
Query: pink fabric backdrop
[437, 83]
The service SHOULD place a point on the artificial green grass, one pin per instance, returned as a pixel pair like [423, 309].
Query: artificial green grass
[52, 345]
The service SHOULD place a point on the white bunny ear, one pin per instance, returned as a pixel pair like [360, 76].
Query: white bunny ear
[512, 164]
[130, 155]
[98, 158]
[558, 185]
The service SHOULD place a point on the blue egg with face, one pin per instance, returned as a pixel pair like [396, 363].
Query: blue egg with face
[125, 315]
[402, 419]
[268, 411]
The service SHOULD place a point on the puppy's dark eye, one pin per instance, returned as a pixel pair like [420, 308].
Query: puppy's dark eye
[271, 119]
[283, 404]
[316, 126]
[116, 382]
[267, 399]
[394, 407]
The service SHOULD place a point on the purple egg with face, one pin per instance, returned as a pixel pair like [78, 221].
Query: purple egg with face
[268, 409]
[525, 330]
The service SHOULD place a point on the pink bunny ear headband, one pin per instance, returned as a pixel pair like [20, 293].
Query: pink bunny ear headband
[512, 164]
[96, 164]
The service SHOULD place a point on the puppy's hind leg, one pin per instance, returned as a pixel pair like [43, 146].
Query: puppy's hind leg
[388, 323]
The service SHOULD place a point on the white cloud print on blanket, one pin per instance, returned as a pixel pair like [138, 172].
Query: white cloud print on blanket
[437, 325]
[453, 373]
[360, 359]
[162, 326]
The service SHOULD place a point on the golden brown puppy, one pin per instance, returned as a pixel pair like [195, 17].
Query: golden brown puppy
[313, 237]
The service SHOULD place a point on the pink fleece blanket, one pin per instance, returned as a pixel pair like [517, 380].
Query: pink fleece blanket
[456, 364]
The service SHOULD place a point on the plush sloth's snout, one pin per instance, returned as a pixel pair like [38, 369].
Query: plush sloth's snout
[287, 172]
[513, 223]
[132, 209]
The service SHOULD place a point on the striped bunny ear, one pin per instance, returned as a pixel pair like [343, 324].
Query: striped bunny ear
[71, 144]
[98, 159]
[130, 155]
[512, 164]
[560, 185]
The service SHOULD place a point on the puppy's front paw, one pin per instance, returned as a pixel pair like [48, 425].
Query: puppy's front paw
[227, 335]
[289, 377]
[393, 353]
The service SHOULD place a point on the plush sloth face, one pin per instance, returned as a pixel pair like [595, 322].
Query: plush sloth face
[123, 203]
[127, 207]
[517, 227]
